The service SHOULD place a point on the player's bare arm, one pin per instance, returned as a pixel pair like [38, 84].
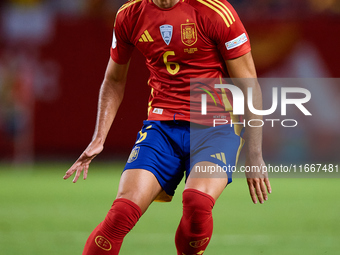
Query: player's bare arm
[244, 69]
[110, 97]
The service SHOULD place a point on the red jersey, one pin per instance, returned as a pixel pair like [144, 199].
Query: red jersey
[190, 40]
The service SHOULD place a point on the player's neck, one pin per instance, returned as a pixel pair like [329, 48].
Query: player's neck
[165, 4]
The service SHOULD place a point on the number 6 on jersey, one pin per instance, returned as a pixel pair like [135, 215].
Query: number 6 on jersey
[168, 63]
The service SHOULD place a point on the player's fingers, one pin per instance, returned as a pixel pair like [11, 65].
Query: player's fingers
[258, 191]
[69, 173]
[72, 169]
[263, 190]
[267, 182]
[86, 170]
[252, 191]
[79, 170]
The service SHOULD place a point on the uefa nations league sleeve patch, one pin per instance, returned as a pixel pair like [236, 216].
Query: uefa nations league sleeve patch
[236, 42]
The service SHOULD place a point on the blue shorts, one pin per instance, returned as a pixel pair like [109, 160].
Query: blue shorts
[169, 149]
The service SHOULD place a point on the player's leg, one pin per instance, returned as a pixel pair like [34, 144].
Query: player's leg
[153, 152]
[137, 189]
[213, 151]
[196, 226]
[139, 186]
[211, 183]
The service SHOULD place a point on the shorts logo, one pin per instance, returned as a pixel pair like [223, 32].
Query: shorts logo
[166, 32]
[189, 34]
[103, 243]
[220, 156]
[236, 42]
[199, 243]
[134, 154]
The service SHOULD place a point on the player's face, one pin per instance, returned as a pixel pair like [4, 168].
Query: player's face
[165, 3]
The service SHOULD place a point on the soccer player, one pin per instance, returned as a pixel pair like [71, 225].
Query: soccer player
[181, 39]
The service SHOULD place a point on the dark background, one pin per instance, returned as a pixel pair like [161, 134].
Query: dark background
[53, 56]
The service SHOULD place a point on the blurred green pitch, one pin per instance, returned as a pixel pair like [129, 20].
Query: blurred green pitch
[41, 214]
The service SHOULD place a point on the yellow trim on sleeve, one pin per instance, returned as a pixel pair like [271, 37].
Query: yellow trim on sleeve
[231, 14]
[222, 7]
[124, 6]
[216, 10]
[227, 9]
[221, 10]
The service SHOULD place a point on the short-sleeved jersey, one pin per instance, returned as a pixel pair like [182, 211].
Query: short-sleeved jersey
[190, 40]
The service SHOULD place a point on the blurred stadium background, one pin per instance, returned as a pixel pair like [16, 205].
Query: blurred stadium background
[53, 55]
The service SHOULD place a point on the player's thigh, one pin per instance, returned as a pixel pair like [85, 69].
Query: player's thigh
[212, 183]
[140, 186]
[158, 150]
[214, 154]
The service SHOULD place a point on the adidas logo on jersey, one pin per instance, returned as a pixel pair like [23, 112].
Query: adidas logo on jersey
[220, 156]
[146, 37]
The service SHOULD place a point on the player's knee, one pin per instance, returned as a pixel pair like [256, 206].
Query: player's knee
[197, 209]
[121, 218]
[124, 208]
[196, 200]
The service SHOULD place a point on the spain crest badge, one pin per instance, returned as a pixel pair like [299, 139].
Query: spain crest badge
[189, 34]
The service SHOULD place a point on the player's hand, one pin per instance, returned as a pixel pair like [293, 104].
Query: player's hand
[83, 162]
[258, 181]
